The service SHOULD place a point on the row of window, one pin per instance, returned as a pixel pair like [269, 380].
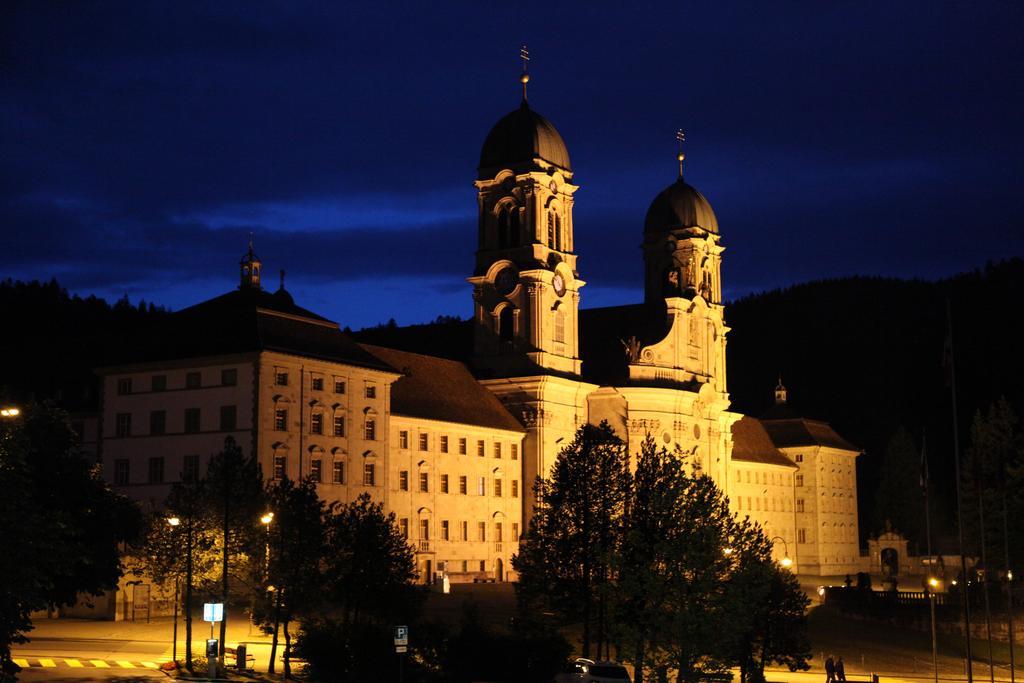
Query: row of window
[316, 383]
[463, 531]
[481, 484]
[193, 380]
[772, 478]
[316, 471]
[758, 504]
[423, 444]
[155, 470]
[191, 421]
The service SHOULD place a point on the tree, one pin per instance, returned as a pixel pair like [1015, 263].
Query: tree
[369, 568]
[565, 559]
[296, 547]
[234, 499]
[53, 497]
[899, 500]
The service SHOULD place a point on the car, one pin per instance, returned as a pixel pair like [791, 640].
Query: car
[584, 670]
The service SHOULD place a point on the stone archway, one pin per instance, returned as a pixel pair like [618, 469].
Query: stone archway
[499, 570]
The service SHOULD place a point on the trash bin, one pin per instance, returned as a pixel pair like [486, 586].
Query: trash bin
[240, 657]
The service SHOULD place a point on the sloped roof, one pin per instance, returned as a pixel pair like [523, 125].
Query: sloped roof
[751, 443]
[248, 320]
[792, 432]
[441, 389]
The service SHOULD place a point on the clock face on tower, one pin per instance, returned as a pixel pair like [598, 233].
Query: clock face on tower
[558, 282]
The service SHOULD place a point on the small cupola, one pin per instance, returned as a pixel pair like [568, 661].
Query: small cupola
[780, 393]
[249, 269]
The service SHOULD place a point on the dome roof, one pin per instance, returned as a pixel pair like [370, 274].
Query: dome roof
[680, 206]
[520, 138]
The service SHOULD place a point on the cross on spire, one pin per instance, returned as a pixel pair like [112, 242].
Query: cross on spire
[524, 54]
[680, 139]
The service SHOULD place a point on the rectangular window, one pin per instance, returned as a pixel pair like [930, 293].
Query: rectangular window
[465, 537]
[497, 449]
[229, 377]
[316, 470]
[369, 474]
[158, 383]
[281, 378]
[444, 529]
[124, 386]
[316, 423]
[559, 326]
[339, 425]
[444, 444]
[281, 419]
[317, 383]
[480, 449]
[497, 487]
[193, 380]
[190, 469]
[515, 488]
[121, 471]
[424, 482]
[799, 504]
[481, 531]
[483, 565]
[481, 486]
[799, 480]
[498, 532]
[228, 418]
[462, 446]
[403, 439]
[444, 483]
[462, 484]
[425, 529]
[515, 532]
[371, 391]
[403, 480]
[801, 536]
[799, 457]
[403, 527]
[424, 441]
[338, 476]
[279, 467]
[514, 451]
[157, 422]
[124, 424]
[370, 429]
[192, 420]
[339, 386]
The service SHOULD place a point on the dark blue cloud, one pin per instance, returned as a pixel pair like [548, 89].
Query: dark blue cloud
[142, 141]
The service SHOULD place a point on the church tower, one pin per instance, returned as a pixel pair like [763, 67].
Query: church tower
[525, 283]
[249, 270]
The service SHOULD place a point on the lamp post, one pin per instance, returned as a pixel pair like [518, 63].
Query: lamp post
[10, 411]
[266, 519]
[174, 522]
[785, 561]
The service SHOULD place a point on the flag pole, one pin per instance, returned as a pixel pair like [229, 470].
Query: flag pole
[932, 581]
[959, 495]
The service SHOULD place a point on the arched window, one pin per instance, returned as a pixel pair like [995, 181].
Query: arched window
[551, 230]
[503, 227]
[506, 324]
[513, 227]
[558, 232]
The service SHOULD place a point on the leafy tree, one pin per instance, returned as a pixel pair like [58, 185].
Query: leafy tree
[565, 559]
[369, 568]
[296, 542]
[899, 499]
[234, 499]
[53, 497]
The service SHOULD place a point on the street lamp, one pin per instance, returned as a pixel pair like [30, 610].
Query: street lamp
[10, 411]
[174, 522]
[266, 519]
[785, 561]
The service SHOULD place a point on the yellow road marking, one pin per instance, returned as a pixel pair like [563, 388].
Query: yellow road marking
[74, 662]
[125, 664]
[99, 663]
[49, 663]
[150, 665]
[23, 663]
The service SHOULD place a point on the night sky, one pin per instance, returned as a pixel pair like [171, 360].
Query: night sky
[140, 143]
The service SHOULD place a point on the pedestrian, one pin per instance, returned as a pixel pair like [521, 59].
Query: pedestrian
[840, 670]
[830, 670]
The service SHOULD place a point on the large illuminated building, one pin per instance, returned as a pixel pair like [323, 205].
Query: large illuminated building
[452, 444]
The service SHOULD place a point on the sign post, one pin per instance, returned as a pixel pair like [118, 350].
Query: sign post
[213, 612]
[401, 647]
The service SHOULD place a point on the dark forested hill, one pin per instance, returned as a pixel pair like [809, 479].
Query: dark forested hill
[51, 341]
[866, 354]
